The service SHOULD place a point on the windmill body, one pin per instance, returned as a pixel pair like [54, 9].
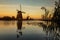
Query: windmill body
[19, 14]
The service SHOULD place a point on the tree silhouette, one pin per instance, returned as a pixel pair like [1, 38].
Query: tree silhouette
[46, 12]
[56, 15]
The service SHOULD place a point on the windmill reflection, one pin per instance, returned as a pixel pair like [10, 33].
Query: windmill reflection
[19, 27]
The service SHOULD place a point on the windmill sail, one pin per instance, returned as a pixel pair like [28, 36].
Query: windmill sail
[20, 7]
[19, 13]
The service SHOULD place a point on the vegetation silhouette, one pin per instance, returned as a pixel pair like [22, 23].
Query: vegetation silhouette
[52, 30]
[56, 16]
[7, 18]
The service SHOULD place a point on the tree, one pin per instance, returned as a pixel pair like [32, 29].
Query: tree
[56, 15]
[46, 12]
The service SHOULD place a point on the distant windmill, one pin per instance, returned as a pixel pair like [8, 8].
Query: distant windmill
[19, 14]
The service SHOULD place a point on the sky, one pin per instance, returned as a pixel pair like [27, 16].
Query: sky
[31, 7]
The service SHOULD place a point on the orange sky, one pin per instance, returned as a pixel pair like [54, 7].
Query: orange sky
[32, 11]
[31, 7]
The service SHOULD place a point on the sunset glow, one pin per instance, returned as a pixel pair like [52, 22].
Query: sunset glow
[32, 10]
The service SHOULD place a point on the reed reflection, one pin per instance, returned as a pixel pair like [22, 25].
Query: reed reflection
[19, 27]
[52, 30]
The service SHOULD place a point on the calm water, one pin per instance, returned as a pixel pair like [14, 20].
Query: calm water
[29, 30]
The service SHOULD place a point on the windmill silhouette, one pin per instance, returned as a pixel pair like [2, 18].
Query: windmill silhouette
[19, 14]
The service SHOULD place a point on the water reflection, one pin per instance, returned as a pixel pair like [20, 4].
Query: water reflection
[19, 27]
[29, 30]
[52, 30]
[6, 23]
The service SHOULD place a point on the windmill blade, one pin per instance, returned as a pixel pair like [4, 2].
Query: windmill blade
[20, 7]
[24, 12]
[17, 10]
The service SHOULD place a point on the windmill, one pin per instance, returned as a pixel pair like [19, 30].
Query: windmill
[19, 14]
